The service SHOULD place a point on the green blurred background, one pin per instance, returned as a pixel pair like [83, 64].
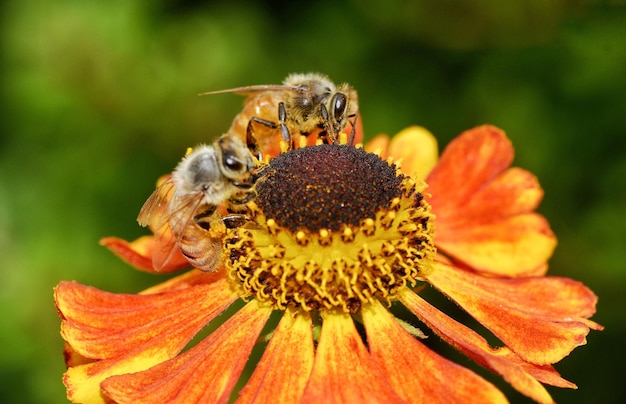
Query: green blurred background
[99, 98]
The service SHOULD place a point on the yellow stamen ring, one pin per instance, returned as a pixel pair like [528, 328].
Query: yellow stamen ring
[338, 267]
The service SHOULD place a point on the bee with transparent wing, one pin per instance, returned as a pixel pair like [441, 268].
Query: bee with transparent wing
[305, 104]
[183, 210]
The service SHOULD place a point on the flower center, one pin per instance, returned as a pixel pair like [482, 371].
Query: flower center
[333, 227]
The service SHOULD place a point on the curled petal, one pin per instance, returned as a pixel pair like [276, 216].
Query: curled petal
[523, 376]
[483, 210]
[344, 371]
[418, 374]
[542, 319]
[286, 364]
[205, 373]
[140, 253]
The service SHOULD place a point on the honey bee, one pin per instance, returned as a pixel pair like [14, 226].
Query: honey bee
[304, 104]
[183, 210]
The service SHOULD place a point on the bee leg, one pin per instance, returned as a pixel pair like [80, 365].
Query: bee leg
[251, 139]
[251, 142]
[242, 198]
[325, 134]
[259, 172]
[254, 177]
[284, 130]
[234, 221]
[353, 130]
[242, 185]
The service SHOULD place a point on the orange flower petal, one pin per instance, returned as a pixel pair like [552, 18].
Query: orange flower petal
[379, 144]
[83, 382]
[483, 209]
[73, 358]
[344, 371]
[418, 374]
[542, 319]
[515, 246]
[140, 253]
[104, 325]
[471, 160]
[417, 148]
[205, 373]
[100, 325]
[524, 377]
[514, 191]
[286, 364]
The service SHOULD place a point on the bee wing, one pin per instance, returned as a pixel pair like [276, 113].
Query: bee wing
[155, 210]
[178, 226]
[165, 250]
[247, 90]
[155, 214]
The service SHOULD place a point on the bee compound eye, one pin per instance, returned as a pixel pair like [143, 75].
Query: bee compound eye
[232, 163]
[339, 103]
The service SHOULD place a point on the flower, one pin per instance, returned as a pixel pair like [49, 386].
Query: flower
[339, 238]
